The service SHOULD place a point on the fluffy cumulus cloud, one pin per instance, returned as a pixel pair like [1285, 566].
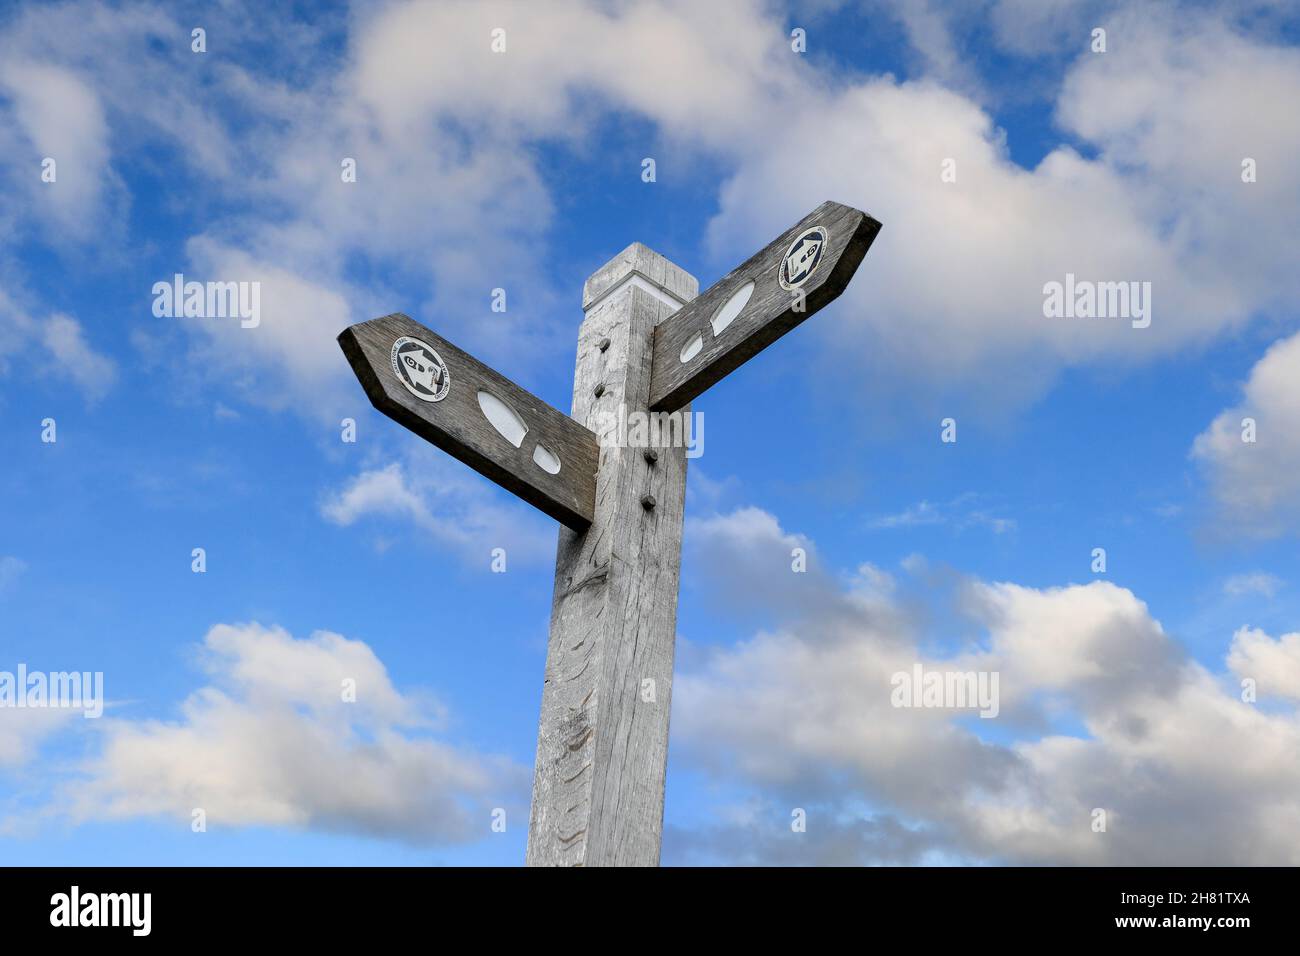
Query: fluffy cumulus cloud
[1099, 710]
[453, 192]
[966, 261]
[1250, 453]
[430, 499]
[1273, 664]
[450, 186]
[283, 356]
[22, 731]
[272, 741]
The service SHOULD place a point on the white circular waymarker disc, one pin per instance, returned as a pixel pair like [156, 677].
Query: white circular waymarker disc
[803, 256]
[421, 369]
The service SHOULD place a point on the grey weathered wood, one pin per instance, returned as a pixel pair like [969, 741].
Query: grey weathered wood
[602, 748]
[457, 425]
[770, 312]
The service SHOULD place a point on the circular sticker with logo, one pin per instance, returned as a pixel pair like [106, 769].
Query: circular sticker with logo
[802, 257]
[420, 369]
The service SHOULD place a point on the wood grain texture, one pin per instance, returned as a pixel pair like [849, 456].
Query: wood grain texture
[458, 426]
[770, 312]
[602, 747]
[640, 260]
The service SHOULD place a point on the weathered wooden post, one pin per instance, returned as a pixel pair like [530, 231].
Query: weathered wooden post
[602, 749]
[647, 344]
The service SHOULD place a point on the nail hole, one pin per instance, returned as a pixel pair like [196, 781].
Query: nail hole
[692, 348]
[651, 455]
[599, 390]
[503, 418]
[731, 308]
[545, 460]
[647, 502]
[604, 344]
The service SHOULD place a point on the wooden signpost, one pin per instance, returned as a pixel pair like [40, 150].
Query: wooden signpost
[647, 344]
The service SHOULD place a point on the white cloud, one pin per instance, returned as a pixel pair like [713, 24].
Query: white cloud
[1182, 153]
[749, 545]
[452, 193]
[90, 371]
[272, 742]
[931, 35]
[64, 348]
[382, 491]
[1047, 26]
[921, 513]
[950, 296]
[1084, 639]
[685, 66]
[1256, 484]
[289, 358]
[828, 841]
[1274, 665]
[1100, 709]
[22, 731]
[267, 664]
[15, 327]
[961, 513]
[1252, 582]
[61, 117]
[440, 502]
[952, 289]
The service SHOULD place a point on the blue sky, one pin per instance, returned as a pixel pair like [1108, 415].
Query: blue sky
[522, 170]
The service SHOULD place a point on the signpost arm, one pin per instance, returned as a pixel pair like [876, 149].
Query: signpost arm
[546, 458]
[758, 302]
[602, 748]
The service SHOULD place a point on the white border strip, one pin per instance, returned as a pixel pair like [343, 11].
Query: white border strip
[642, 282]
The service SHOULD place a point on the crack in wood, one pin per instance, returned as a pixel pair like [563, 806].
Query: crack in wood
[599, 576]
